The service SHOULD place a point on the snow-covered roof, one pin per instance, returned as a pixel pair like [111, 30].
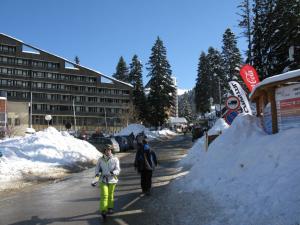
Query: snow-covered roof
[275, 79]
[66, 60]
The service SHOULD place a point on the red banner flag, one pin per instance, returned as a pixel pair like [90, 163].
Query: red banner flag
[249, 75]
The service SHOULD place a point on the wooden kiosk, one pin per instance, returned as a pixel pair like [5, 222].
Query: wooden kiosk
[277, 101]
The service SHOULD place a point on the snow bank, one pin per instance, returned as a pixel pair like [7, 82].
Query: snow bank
[255, 177]
[132, 128]
[42, 152]
[194, 153]
[138, 128]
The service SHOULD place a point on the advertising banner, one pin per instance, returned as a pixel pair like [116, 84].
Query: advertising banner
[2, 111]
[288, 106]
[240, 93]
[249, 76]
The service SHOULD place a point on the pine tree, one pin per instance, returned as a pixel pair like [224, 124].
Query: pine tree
[202, 87]
[231, 58]
[138, 95]
[217, 80]
[122, 72]
[77, 60]
[186, 109]
[161, 85]
[262, 31]
[245, 23]
[285, 33]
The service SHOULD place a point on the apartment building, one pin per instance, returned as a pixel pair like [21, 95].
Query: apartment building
[52, 85]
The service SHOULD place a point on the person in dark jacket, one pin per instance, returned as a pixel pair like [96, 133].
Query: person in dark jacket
[145, 162]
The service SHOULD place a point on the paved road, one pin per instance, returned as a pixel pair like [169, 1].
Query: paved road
[74, 201]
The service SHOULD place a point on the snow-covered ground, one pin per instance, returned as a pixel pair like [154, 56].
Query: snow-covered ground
[45, 154]
[50, 154]
[253, 177]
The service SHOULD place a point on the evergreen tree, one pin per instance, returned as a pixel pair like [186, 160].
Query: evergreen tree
[285, 21]
[276, 28]
[138, 95]
[77, 60]
[122, 72]
[231, 58]
[245, 23]
[161, 85]
[217, 79]
[262, 31]
[202, 87]
[185, 108]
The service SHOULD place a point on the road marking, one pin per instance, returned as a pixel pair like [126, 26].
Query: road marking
[132, 202]
[121, 222]
[127, 212]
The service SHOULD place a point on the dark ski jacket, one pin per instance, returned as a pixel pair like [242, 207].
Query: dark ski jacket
[145, 159]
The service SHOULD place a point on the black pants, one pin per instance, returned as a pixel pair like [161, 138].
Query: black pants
[146, 180]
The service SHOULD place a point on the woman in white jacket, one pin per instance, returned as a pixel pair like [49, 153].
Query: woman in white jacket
[107, 169]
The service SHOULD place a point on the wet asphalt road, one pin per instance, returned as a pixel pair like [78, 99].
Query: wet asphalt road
[74, 201]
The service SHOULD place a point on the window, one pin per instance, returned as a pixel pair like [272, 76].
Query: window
[17, 122]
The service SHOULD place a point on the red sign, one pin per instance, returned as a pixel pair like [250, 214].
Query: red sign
[249, 75]
[232, 103]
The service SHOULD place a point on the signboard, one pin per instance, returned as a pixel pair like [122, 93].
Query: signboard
[249, 75]
[232, 103]
[288, 106]
[3, 111]
[230, 116]
[240, 93]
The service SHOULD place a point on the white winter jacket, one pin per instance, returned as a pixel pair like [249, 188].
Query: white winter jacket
[108, 168]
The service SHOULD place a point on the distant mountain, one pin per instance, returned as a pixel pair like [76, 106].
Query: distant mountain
[181, 91]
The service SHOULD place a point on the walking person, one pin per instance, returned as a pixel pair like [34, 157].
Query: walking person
[145, 162]
[107, 170]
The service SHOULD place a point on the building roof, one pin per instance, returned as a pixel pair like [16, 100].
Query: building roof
[68, 61]
[291, 76]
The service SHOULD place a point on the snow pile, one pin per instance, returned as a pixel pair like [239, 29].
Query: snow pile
[132, 128]
[194, 153]
[254, 177]
[138, 128]
[41, 153]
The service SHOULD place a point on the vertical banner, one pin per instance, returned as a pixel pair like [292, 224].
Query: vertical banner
[249, 75]
[240, 93]
[3, 111]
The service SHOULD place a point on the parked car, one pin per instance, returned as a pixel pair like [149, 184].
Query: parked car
[101, 142]
[130, 140]
[123, 143]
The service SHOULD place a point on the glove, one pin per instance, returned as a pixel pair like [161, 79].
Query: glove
[95, 180]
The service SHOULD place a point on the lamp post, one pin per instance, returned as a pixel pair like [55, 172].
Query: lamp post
[48, 118]
[74, 114]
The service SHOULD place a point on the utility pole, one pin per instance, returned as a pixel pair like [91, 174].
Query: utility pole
[74, 116]
[105, 119]
[30, 111]
[219, 98]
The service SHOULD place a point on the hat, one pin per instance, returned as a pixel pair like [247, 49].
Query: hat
[108, 147]
[146, 147]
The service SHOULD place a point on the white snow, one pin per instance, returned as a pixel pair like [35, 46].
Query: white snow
[44, 154]
[138, 128]
[280, 77]
[41, 154]
[252, 176]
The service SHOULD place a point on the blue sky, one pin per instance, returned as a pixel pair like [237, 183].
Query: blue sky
[99, 31]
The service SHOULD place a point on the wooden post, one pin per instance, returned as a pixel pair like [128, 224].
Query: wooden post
[257, 108]
[271, 95]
